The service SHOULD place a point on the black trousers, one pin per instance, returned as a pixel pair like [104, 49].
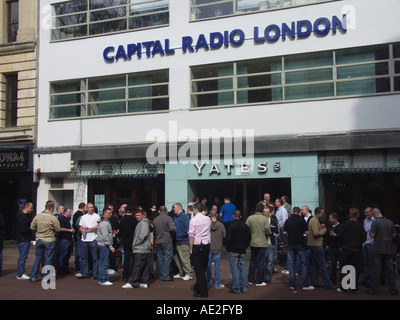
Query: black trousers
[200, 261]
[353, 258]
[140, 272]
[128, 262]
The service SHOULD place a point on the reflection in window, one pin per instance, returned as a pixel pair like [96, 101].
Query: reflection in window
[81, 18]
[349, 72]
[121, 94]
[203, 9]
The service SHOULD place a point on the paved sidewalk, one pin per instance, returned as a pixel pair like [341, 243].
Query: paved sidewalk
[69, 288]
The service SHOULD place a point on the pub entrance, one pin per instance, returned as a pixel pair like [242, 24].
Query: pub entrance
[144, 192]
[245, 193]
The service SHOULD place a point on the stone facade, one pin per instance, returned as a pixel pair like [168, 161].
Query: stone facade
[19, 58]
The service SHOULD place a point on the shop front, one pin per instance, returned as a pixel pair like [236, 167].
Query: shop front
[121, 182]
[16, 183]
[245, 180]
[361, 178]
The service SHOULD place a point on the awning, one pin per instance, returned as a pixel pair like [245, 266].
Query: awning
[115, 169]
[373, 161]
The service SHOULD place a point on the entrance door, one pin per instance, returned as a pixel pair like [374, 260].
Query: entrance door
[244, 193]
[8, 199]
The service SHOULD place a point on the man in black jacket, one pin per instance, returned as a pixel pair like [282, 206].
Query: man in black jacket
[126, 231]
[295, 228]
[238, 237]
[351, 238]
[24, 238]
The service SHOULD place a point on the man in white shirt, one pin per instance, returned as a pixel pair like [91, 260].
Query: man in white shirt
[282, 215]
[88, 225]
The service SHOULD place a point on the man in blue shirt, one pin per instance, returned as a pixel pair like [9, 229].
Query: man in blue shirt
[227, 211]
[182, 254]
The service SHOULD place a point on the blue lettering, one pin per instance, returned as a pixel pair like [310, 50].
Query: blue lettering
[167, 49]
[148, 45]
[106, 52]
[157, 48]
[257, 38]
[187, 44]
[277, 32]
[131, 50]
[336, 23]
[305, 33]
[201, 42]
[290, 31]
[322, 21]
[226, 38]
[121, 53]
[235, 33]
[216, 36]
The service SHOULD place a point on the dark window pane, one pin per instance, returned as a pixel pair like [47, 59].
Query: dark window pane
[99, 4]
[149, 20]
[70, 7]
[109, 26]
[67, 112]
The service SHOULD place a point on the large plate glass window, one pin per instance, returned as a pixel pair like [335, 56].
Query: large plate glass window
[111, 95]
[80, 18]
[206, 9]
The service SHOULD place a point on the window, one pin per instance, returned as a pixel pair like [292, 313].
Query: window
[80, 18]
[121, 94]
[205, 9]
[11, 100]
[13, 20]
[322, 75]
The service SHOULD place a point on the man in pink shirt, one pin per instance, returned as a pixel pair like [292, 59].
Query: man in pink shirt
[199, 247]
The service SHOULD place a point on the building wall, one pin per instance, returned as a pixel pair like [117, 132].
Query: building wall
[20, 58]
[84, 58]
[369, 24]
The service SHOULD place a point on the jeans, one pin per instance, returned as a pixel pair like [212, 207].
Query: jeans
[164, 258]
[64, 255]
[216, 258]
[334, 256]
[85, 247]
[23, 249]
[384, 261]
[103, 253]
[318, 264]
[269, 261]
[77, 253]
[237, 262]
[44, 250]
[257, 261]
[368, 261]
[297, 252]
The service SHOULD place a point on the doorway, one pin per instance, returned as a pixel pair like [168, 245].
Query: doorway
[245, 193]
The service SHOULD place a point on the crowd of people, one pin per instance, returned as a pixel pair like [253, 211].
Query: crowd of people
[179, 244]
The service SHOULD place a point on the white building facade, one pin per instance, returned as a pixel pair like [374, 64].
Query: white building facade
[309, 88]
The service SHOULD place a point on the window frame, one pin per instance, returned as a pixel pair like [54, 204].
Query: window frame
[88, 23]
[391, 76]
[10, 23]
[87, 104]
[195, 9]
